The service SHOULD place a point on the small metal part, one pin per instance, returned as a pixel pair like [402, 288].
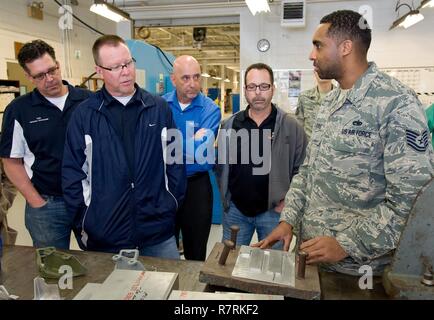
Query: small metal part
[4, 294]
[234, 231]
[301, 266]
[127, 259]
[44, 291]
[228, 246]
[428, 278]
[49, 262]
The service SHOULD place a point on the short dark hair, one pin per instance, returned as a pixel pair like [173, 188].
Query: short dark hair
[348, 24]
[33, 50]
[260, 66]
[108, 39]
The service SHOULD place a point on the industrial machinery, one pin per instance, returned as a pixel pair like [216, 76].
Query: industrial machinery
[410, 275]
[153, 67]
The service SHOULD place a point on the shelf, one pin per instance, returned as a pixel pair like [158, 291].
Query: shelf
[10, 86]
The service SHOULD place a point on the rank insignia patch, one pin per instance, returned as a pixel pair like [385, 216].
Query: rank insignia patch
[418, 142]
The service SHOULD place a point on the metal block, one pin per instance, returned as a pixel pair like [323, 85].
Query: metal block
[273, 266]
[236, 274]
[256, 259]
[275, 262]
[132, 285]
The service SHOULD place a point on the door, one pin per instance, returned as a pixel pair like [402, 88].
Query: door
[15, 72]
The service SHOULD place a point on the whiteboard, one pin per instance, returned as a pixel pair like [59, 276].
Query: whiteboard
[420, 79]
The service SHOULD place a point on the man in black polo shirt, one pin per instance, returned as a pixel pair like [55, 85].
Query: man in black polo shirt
[253, 192]
[32, 142]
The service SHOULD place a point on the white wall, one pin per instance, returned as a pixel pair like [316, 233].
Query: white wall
[15, 25]
[290, 48]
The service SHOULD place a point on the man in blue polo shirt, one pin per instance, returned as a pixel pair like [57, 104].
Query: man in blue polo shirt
[32, 141]
[198, 118]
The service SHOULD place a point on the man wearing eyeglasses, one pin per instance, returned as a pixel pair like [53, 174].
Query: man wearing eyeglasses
[198, 118]
[253, 199]
[116, 181]
[32, 141]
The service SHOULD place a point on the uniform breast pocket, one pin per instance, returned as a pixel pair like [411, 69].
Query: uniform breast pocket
[353, 156]
[353, 144]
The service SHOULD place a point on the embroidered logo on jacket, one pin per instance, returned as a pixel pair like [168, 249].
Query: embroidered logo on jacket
[359, 133]
[39, 119]
[418, 142]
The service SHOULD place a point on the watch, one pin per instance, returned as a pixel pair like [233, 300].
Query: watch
[263, 45]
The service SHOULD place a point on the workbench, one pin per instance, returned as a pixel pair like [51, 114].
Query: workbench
[19, 268]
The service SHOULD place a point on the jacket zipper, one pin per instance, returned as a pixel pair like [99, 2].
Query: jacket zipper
[83, 231]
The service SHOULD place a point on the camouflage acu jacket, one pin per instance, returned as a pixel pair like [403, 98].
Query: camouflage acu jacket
[308, 105]
[368, 157]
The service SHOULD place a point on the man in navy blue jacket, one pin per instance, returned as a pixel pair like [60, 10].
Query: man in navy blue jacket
[32, 143]
[116, 182]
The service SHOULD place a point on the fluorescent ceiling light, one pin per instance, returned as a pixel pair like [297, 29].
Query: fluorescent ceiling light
[217, 78]
[227, 80]
[411, 18]
[256, 6]
[109, 11]
[427, 4]
[205, 75]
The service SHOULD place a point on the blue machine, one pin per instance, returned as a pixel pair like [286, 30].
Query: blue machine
[235, 103]
[214, 93]
[156, 68]
[217, 208]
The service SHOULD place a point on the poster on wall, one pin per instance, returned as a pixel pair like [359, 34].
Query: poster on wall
[294, 83]
[420, 79]
[289, 84]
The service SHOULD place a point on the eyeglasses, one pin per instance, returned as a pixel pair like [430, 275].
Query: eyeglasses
[51, 72]
[121, 66]
[262, 87]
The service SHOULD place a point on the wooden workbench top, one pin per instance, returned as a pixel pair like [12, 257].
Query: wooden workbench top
[19, 268]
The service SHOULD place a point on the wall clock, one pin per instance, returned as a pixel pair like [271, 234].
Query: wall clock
[263, 45]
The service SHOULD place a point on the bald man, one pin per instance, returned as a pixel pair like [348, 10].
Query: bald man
[198, 118]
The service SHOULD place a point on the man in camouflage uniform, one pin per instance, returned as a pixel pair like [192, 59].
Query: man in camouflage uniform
[368, 157]
[7, 196]
[309, 102]
[430, 115]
